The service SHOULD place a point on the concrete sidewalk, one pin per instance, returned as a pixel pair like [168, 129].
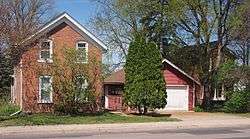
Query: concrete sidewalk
[189, 121]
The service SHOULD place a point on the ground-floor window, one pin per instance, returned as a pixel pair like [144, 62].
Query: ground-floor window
[45, 89]
[219, 92]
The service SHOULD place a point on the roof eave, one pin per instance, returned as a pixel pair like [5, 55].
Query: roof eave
[183, 72]
[73, 21]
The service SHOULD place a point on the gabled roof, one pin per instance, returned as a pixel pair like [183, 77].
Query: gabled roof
[181, 71]
[118, 77]
[66, 18]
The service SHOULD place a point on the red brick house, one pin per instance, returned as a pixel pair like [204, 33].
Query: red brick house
[183, 91]
[63, 31]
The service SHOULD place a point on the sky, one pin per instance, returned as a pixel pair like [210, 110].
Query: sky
[81, 10]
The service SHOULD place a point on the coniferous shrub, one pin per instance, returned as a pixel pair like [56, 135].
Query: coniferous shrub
[145, 86]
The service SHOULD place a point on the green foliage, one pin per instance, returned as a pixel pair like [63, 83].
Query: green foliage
[73, 83]
[5, 74]
[7, 109]
[225, 72]
[239, 102]
[198, 109]
[145, 86]
[191, 59]
[231, 74]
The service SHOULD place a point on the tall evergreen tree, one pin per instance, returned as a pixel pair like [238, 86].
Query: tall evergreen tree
[145, 86]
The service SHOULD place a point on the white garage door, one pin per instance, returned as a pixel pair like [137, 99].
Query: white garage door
[177, 98]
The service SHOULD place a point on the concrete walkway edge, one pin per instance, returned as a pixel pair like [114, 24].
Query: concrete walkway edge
[124, 127]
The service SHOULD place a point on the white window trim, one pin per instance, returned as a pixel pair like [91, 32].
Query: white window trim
[50, 60]
[40, 87]
[85, 84]
[222, 97]
[87, 47]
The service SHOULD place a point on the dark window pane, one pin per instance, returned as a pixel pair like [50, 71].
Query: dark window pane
[45, 45]
[45, 54]
[46, 89]
[81, 45]
[45, 95]
[81, 54]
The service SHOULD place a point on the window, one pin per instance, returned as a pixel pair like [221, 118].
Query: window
[81, 86]
[46, 51]
[219, 93]
[45, 89]
[82, 52]
[81, 83]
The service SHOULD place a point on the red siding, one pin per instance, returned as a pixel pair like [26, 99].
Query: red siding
[174, 77]
[115, 102]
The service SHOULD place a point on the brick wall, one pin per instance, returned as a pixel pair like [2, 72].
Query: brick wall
[62, 36]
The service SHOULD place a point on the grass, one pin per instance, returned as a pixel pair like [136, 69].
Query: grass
[7, 109]
[50, 119]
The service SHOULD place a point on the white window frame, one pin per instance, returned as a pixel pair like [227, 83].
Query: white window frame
[222, 93]
[85, 84]
[86, 47]
[50, 60]
[40, 90]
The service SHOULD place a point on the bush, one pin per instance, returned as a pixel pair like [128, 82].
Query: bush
[85, 102]
[198, 109]
[7, 109]
[239, 102]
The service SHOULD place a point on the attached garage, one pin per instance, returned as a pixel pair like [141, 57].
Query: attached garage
[183, 91]
[177, 98]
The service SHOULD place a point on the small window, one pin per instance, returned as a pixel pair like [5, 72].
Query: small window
[82, 52]
[45, 89]
[219, 93]
[46, 51]
[81, 83]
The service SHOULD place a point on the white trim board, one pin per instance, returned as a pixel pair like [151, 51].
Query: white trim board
[65, 17]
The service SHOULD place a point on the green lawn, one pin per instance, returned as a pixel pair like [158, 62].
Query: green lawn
[52, 119]
[49, 119]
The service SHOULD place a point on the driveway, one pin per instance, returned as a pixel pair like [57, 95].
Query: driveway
[193, 126]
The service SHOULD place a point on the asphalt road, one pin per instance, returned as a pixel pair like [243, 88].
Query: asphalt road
[242, 132]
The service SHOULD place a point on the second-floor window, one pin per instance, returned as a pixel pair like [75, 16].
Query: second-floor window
[46, 51]
[82, 52]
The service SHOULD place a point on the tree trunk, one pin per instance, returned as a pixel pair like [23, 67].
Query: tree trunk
[139, 109]
[145, 111]
[207, 82]
[219, 56]
[248, 55]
